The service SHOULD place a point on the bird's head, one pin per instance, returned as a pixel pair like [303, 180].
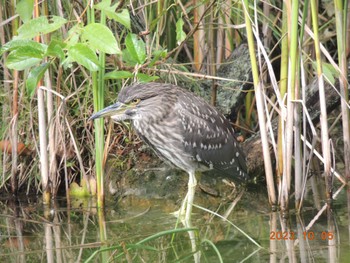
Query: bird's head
[138, 101]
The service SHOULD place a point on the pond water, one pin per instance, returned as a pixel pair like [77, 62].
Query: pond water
[135, 230]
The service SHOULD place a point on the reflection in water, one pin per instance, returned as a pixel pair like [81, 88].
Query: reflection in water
[137, 230]
[319, 241]
[48, 241]
[103, 235]
[331, 236]
[187, 223]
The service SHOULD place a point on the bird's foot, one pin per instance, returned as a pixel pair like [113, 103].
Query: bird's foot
[181, 213]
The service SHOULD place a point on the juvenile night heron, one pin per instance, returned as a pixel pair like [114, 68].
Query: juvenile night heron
[181, 128]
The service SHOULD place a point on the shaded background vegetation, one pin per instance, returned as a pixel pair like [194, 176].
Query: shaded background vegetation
[66, 59]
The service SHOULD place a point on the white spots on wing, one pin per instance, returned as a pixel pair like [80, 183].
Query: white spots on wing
[214, 135]
[195, 109]
[190, 144]
[203, 146]
[198, 158]
[237, 154]
[232, 161]
[204, 116]
[209, 146]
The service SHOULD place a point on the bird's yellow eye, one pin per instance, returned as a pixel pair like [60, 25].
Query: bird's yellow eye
[135, 101]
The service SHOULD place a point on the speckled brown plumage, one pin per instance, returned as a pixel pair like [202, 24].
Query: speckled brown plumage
[183, 128]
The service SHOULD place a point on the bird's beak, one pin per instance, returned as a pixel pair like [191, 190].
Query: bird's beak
[112, 110]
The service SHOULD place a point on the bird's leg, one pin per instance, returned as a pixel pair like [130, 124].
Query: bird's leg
[184, 213]
[188, 203]
[192, 183]
[181, 213]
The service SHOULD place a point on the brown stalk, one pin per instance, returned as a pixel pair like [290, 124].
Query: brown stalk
[198, 36]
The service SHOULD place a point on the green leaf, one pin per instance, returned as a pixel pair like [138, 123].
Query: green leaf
[118, 74]
[330, 72]
[122, 17]
[104, 5]
[127, 58]
[83, 55]
[146, 78]
[55, 49]
[157, 54]
[74, 35]
[34, 76]
[40, 25]
[67, 63]
[25, 9]
[136, 48]
[101, 38]
[17, 43]
[180, 34]
[24, 57]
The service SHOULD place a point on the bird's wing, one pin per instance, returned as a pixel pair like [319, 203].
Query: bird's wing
[209, 136]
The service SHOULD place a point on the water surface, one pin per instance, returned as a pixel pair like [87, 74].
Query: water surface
[31, 232]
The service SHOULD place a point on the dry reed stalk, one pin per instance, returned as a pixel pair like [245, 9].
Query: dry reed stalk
[199, 35]
[340, 18]
[323, 116]
[14, 132]
[54, 179]
[44, 168]
[258, 87]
